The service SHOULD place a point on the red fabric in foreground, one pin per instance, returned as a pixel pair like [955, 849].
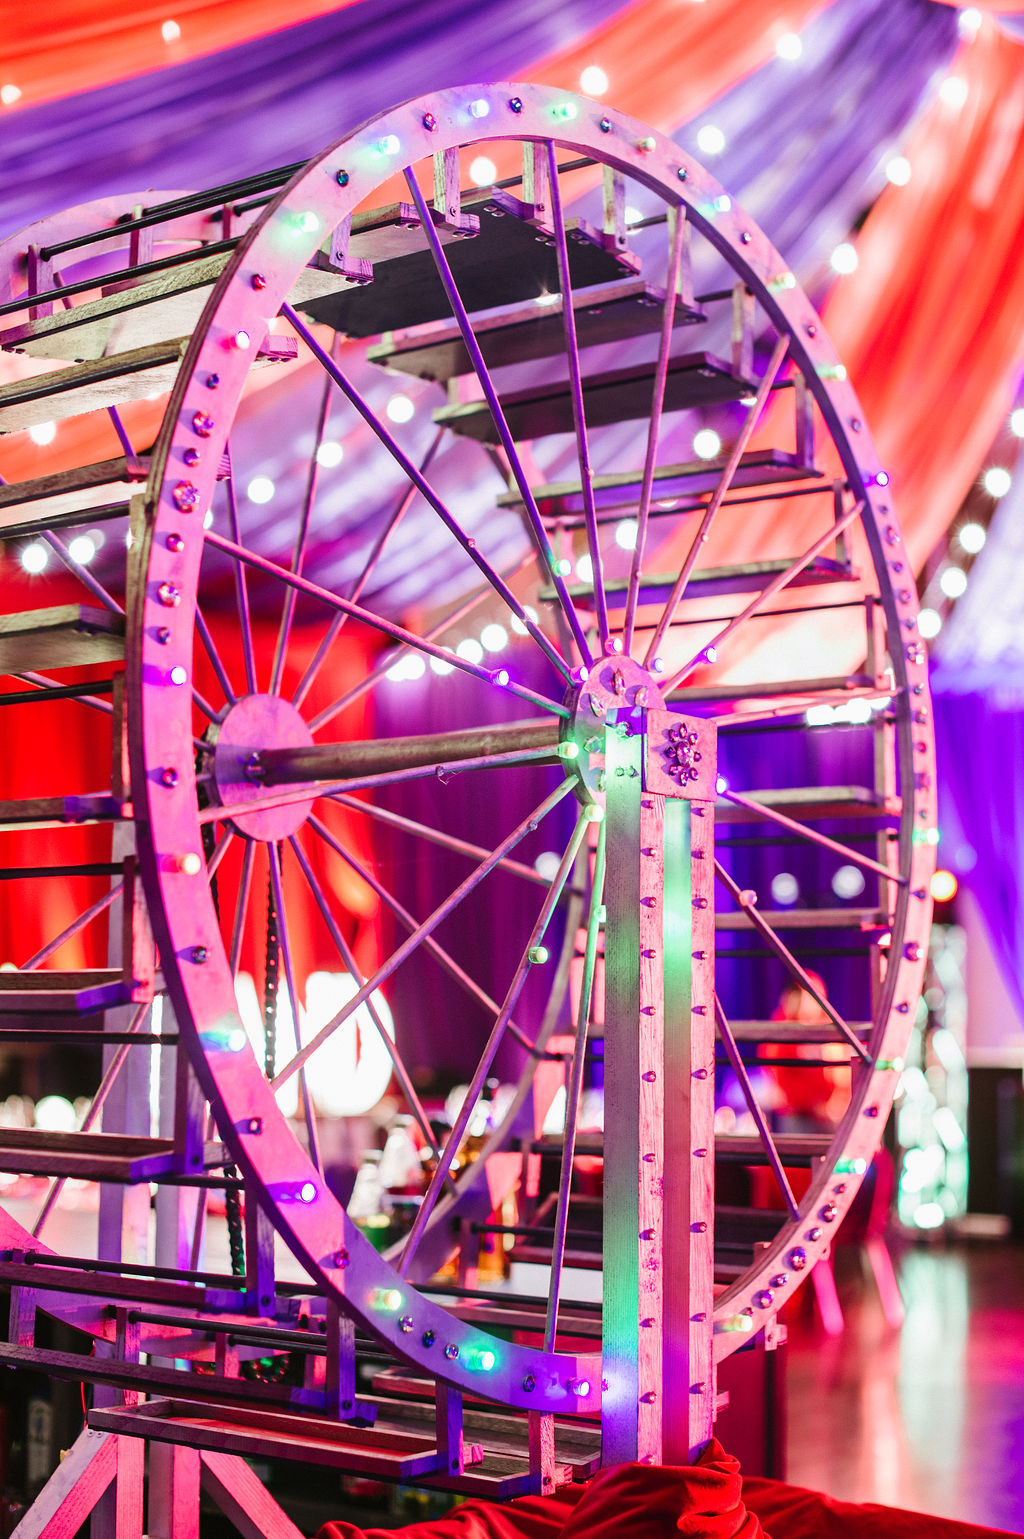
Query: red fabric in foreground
[625, 1501]
[789, 1512]
[708, 1500]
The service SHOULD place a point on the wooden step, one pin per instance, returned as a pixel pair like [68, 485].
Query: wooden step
[85, 1156]
[44, 991]
[713, 582]
[109, 381]
[860, 919]
[620, 395]
[793, 1033]
[133, 314]
[48, 811]
[741, 693]
[796, 1150]
[520, 333]
[620, 492]
[66, 496]
[392, 1452]
[67, 636]
[810, 804]
[510, 259]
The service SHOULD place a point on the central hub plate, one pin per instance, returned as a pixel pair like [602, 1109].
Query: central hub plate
[254, 723]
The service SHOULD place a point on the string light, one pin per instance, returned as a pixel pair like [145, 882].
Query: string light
[929, 623]
[972, 538]
[482, 171]
[170, 31]
[897, 170]
[943, 886]
[329, 454]
[997, 481]
[626, 534]
[953, 91]
[494, 637]
[706, 444]
[43, 432]
[953, 581]
[35, 558]
[593, 81]
[844, 258]
[82, 549]
[260, 489]
[789, 46]
[400, 409]
[9, 94]
[470, 650]
[710, 139]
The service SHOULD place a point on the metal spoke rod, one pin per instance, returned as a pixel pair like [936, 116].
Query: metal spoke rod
[336, 761]
[739, 1068]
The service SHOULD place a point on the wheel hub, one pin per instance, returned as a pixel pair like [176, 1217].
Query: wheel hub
[255, 723]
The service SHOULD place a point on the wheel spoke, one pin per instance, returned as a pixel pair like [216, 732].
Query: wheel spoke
[430, 945]
[106, 1084]
[84, 576]
[753, 417]
[458, 1131]
[654, 426]
[309, 1116]
[572, 354]
[769, 592]
[402, 507]
[450, 904]
[241, 589]
[739, 1068]
[241, 905]
[436, 836]
[745, 901]
[574, 1090]
[210, 647]
[376, 622]
[386, 664]
[76, 925]
[522, 756]
[345, 952]
[301, 536]
[482, 372]
[813, 836]
[468, 545]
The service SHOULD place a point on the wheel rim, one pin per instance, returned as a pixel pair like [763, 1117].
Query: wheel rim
[169, 558]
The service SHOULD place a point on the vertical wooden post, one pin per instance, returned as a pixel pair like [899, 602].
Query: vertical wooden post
[659, 1108]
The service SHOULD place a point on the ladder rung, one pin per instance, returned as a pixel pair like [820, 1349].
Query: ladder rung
[614, 493]
[510, 259]
[811, 803]
[807, 919]
[793, 1032]
[108, 381]
[607, 312]
[750, 577]
[67, 636]
[43, 992]
[795, 1149]
[620, 395]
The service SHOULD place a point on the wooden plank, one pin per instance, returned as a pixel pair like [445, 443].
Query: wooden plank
[793, 1031]
[808, 919]
[244, 1499]
[108, 381]
[712, 582]
[71, 490]
[124, 317]
[46, 811]
[615, 492]
[66, 636]
[518, 333]
[73, 1489]
[619, 395]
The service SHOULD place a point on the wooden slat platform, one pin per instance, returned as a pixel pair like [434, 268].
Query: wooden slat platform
[861, 919]
[510, 259]
[606, 312]
[66, 636]
[620, 492]
[620, 395]
[86, 1156]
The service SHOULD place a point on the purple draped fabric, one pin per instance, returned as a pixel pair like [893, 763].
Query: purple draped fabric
[270, 102]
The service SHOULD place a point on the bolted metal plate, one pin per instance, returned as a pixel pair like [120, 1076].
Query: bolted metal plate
[681, 756]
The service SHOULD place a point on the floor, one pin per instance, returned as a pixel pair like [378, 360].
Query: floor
[930, 1416]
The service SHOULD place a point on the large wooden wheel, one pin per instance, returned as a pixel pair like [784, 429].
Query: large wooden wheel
[671, 609]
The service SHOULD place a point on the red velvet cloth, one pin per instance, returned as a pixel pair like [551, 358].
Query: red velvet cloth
[790, 1512]
[625, 1501]
[707, 1500]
